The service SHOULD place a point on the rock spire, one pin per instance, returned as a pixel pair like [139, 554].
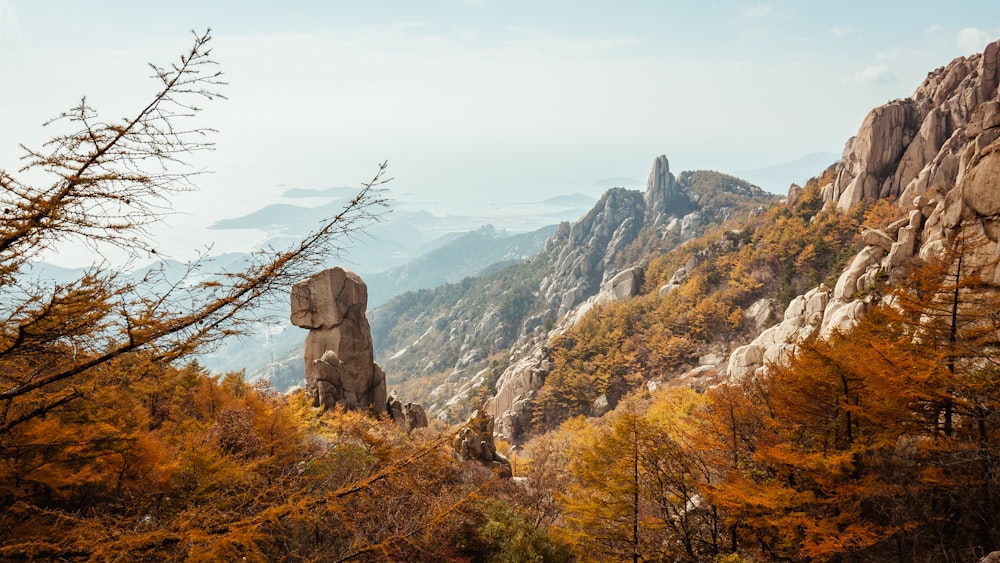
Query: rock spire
[339, 358]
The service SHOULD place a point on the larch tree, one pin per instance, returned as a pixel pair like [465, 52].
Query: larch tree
[879, 442]
[108, 181]
[634, 490]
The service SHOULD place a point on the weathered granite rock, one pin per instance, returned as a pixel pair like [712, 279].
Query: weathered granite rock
[329, 389]
[626, 283]
[874, 151]
[516, 388]
[847, 284]
[474, 442]
[877, 237]
[664, 198]
[909, 147]
[981, 186]
[410, 415]
[338, 355]
[744, 361]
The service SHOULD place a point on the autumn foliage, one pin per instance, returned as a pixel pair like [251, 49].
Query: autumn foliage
[115, 445]
[875, 444]
[881, 443]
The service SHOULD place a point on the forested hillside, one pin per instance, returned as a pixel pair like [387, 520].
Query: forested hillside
[447, 346]
[699, 303]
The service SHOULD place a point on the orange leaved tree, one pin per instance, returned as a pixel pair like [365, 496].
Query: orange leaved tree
[88, 367]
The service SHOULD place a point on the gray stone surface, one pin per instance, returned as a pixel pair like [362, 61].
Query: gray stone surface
[338, 349]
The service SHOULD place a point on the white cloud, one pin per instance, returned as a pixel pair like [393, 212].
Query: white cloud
[888, 54]
[8, 15]
[972, 40]
[934, 28]
[874, 75]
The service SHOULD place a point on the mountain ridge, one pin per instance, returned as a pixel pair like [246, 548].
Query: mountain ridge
[504, 318]
[909, 154]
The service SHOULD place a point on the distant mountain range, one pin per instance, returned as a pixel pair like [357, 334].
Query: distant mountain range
[459, 256]
[779, 177]
[406, 233]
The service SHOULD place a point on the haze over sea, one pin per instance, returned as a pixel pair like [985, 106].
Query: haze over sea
[479, 105]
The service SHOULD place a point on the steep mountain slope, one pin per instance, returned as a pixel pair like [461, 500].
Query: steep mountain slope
[921, 177]
[463, 255]
[455, 340]
[934, 156]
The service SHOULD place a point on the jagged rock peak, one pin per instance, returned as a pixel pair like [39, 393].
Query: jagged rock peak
[663, 194]
[660, 178]
[909, 147]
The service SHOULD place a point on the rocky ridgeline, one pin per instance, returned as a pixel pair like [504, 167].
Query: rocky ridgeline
[907, 148]
[584, 277]
[937, 155]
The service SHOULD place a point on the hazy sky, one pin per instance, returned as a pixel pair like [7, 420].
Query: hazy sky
[481, 101]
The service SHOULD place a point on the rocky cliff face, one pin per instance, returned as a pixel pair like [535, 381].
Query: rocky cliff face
[937, 155]
[589, 247]
[908, 147]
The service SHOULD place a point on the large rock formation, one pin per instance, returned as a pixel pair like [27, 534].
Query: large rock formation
[664, 198]
[907, 147]
[474, 442]
[938, 155]
[339, 360]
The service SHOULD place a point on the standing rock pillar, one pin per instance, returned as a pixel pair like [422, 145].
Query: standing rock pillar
[332, 304]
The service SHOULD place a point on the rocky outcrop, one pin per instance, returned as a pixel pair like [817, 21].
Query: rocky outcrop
[622, 285]
[511, 407]
[972, 209]
[338, 356]
[909, 147]
[938, 155]
[410, 415]
[474, 442]
[590, 247]
[664, 197]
